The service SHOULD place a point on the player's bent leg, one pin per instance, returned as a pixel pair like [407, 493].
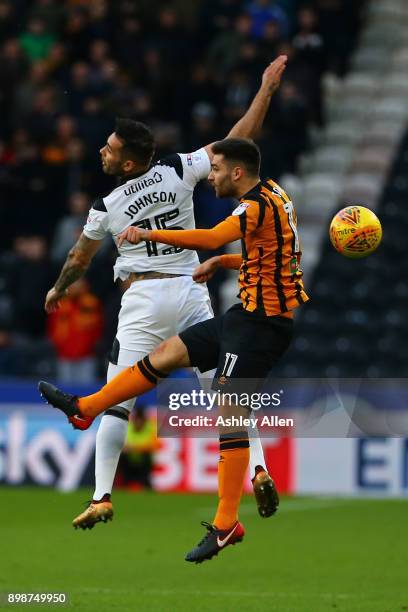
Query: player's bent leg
[133, 381]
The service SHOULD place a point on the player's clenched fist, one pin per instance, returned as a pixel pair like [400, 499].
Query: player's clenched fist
[206, 270]
[133, 235]
[53, 299]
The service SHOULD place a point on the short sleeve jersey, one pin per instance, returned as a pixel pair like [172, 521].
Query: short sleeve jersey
[162, 198]
[270, 276]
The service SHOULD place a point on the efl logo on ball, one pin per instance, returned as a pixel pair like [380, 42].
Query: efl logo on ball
[355, 231]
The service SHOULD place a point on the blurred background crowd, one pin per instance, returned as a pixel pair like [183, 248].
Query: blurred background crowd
[189, 70]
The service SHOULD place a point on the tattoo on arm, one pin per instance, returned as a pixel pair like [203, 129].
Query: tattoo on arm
[77, 262]
[69, 274]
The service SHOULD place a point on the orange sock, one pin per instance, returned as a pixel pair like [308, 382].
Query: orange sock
[232, 466]
[131, 382]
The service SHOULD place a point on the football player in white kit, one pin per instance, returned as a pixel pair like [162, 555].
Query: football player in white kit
[162, 299]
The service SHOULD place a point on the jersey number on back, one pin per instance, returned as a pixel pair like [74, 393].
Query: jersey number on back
[160, 223]
[288, 208]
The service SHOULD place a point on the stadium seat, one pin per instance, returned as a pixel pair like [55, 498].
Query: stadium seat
[386, 10]
[333, 159]
[390, 109]
[321, 192]
[362, 187]
[388, 34]
[384, 133]
[292, 184]
[361, 84]
[351, 107]
[343, 132]
[373, 160]
[396, 84]
[399, 60]
[370, 59]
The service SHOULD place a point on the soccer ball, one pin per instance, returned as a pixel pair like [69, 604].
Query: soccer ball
[355, 231]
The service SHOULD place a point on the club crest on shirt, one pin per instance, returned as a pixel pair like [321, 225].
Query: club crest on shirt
[240, 209]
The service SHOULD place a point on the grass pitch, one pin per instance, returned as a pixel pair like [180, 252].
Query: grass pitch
[315, 555]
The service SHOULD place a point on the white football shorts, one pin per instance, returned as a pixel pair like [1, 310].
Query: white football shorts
[152, 311]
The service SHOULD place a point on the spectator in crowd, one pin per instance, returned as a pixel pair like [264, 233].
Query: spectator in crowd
[70, 227]
[13, 68]
[224, 51]
[264, 11]
[36, 41]
[270, 41]
[310, 57]
[289, 132]
[11, 358]
[204, 126]
[27, 274]
[136, 462]
[216, 16]
[51, 13]
[75, 330]
[8, 25]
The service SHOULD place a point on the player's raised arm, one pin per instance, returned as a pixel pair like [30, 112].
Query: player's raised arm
[251, 123]
[75, 266]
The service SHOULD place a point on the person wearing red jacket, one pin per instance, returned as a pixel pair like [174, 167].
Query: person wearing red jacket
[74, 330]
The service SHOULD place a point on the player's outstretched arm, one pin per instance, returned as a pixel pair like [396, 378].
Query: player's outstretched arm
[188, 239]
[251, 123]
[75, 266]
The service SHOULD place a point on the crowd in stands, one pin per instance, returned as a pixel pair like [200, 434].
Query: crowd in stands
[67, 68]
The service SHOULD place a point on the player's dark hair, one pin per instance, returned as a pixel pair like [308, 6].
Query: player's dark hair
[137, 138]
[241, 150]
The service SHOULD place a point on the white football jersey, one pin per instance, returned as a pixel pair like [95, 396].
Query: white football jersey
[162, 198]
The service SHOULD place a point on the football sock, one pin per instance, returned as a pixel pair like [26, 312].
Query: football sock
[104, 498]
[110, 440]
[133, 381]
[256, 455]
[232, 466]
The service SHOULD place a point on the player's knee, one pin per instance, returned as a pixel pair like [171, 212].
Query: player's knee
[170, 354]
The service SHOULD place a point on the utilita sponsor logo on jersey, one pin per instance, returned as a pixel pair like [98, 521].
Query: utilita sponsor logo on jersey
[139, 186]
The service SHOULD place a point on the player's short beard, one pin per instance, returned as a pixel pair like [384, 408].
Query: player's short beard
[112, 169]
[226, 190]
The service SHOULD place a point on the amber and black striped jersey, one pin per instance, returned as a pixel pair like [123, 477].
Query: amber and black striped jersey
[270, 278]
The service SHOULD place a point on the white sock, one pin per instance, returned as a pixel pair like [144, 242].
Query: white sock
[256, 454]
[112, 431]
[110, 440]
